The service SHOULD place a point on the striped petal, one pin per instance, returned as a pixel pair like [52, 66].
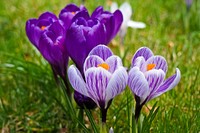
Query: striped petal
[116, 84]
[168, 84]
[97, 80]
[138, 83]
[76, 80]
[114, 62]
[140, 63]
[154, 78]
[102, 51]
[143, 51]
[92, 61]
[159, 61]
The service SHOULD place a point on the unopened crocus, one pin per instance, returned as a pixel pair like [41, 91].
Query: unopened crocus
[87, 31]
[105, 77]
[68, 12]
[47, 34]
[51, 46]
[35, 27]
[126, 10]
[147, 77]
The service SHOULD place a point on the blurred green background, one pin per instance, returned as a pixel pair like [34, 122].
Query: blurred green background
[28, 90]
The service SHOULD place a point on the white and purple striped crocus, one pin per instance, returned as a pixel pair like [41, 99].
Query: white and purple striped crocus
[147, 77]
[105, 77]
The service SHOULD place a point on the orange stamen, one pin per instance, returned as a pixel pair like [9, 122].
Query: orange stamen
[150, 66]
[73, 13]
[104, 65]
[43, 27]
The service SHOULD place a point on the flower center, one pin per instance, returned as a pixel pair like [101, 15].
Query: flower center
[150, 66]
[43, 27]
[104, 65]
[73, 13]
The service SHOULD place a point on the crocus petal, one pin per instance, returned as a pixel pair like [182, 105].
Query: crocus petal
[118, 19]
[134, 24]
[140, 63]
[96, 34]
[116, 84]
[168, 84]
[126, 10]
[154, 78]
[138, 83]
[76, 80]
[143, 51]
[102, 51]
[159, 61]
[97, 80]
[114, 62]
[48, 16]
[92, 61]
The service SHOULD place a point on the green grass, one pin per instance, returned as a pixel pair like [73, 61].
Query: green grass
[31, 101]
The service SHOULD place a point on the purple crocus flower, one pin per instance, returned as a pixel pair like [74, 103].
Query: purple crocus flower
[35, 27]
[68, 12]
[87, 31]
[105, 77]
[147, 77]
[48, 35]
[52, 48]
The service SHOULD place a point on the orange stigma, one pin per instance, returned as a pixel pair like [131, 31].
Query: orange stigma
[150, 66]
[73, 13]
[43, 27]
[104, 65]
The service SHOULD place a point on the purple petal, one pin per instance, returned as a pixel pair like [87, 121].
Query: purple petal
[75, 45]
[97, 80]
[31, 30]
[154, 78]
[116, 84]
[76, 80]
[143, 51]
[102, 51]
[92, 61]
[167, 85]
[118, 19]
[159, 61]
[114, 62]
[97, 12]
[48, 16]
[140, 63]
[67, 14]
[138, 83]
[96, 34]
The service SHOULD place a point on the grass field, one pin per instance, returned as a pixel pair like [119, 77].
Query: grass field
[30, 100]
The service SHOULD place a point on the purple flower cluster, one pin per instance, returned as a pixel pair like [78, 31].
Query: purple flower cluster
[98, 75]
[73, 35]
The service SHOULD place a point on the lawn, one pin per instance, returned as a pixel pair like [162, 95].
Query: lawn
[31, 101]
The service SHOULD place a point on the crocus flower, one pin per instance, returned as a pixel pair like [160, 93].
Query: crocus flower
[87, 31]
[51, 46]
[48, 35]
[126, 10]
[35, 27]
[68, 12]
[147, 77]
[188, 4]
[105, 77]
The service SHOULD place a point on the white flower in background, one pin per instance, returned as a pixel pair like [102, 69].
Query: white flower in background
[126, 10]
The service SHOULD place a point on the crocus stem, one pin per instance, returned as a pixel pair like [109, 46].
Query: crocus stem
[103, 115]
[67, 88]
[103, 128]
[138, 108]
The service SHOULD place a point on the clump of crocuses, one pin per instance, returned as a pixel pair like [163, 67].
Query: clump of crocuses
[147, 77]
